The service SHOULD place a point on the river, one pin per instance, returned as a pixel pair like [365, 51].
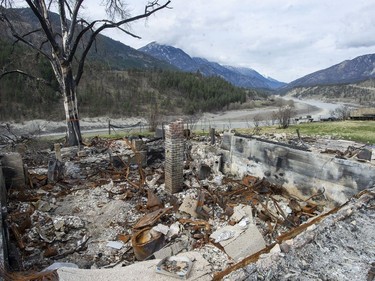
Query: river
[225, 120]
[244, 118]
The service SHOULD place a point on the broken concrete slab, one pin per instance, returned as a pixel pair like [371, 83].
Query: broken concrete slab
[139, 271]
[226, 234]
[244, 242]
[189, 206]
[172, 250]
[161, 228]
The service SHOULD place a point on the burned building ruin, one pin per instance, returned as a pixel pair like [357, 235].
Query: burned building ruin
[233, 208]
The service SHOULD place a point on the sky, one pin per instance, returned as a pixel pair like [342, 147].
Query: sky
[284, 40]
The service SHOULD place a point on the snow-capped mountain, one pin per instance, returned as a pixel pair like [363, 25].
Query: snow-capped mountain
[239, 76]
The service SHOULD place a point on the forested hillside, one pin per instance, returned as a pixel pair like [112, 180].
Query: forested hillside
[104, 91]
[362, 93]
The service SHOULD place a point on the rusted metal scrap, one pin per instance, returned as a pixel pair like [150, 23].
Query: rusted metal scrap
[17, 235]
[151, 218]
[29, 276]
[145, 242]
[199, 223]
[153, 201]
[199, 209]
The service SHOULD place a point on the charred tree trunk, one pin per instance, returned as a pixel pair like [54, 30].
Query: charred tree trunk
[74, 136]
[64, 42]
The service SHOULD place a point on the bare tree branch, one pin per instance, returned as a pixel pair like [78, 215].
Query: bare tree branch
[68, 7]
[41, 12]
[129, 33]
[6, 3]
[73, 23]
[21, 37]
[42, 44]
[31, 32]
[116, 8]
[150, 9]
[25, 74]
[62, 52]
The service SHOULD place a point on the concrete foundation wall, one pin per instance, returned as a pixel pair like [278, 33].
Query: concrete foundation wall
[302, 172]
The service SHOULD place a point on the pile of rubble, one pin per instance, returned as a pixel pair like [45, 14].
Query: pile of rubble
[105, 205]
[339, 247]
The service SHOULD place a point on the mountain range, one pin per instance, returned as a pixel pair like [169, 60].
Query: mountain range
[238, 76]
[106, 50]
[350, 71]
[156, 56]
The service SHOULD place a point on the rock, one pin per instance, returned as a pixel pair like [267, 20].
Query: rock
[240, 211]
[276, 249]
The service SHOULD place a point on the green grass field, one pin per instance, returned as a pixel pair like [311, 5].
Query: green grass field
[360, 131]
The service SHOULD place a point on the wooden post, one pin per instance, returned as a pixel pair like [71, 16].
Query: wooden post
[109, 126]
[58, 151]
[298, 134]
[212, 134]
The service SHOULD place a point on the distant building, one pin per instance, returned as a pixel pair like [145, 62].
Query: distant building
[365, 113]
[304, 119]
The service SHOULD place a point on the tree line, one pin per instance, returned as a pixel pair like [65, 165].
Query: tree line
[104, 91]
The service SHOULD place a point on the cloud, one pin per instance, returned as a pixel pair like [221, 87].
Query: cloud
[283, 39]
[358, 33]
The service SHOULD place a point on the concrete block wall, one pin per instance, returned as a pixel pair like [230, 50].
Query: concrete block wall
[174, 156]
[301, 172]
